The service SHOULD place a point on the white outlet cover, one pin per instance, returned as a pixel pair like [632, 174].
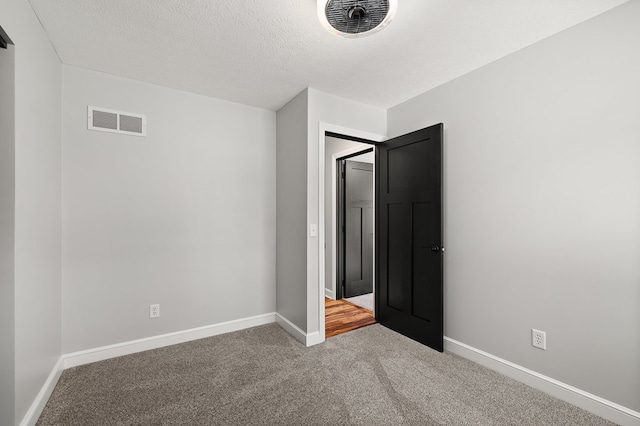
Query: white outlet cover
[539, 339]
[154, 311]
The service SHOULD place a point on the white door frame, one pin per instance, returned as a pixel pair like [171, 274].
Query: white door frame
[323, 128]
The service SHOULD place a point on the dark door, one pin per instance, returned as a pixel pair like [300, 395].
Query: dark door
[358, 228]
[409, 254]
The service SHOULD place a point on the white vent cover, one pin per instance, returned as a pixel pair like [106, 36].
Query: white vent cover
[107, 120]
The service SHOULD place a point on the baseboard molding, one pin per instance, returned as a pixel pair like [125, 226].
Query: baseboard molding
[292, 329]
[302, 337]
[106, 352]
[314, 338]
[592, 403]
[34, 411]
[585, 400]
[126, 348]
[329, 293]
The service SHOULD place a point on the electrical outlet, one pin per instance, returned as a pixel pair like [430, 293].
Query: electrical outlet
[154, 311]
[539, 339]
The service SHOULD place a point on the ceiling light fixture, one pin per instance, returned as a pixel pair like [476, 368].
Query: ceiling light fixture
[356, 18]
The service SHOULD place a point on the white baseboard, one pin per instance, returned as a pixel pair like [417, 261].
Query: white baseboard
[106, 352]
[314, 338]
[34, 411]
[592, 403]
[292, 329]
[329, 293]
[304, 338]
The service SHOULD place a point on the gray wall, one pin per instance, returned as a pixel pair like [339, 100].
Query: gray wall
[332, 146]
[37, 202]
[7, 236]
[291, 210]
[542, 204]
[184, 217]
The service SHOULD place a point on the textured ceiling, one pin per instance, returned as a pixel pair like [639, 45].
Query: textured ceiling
[264, 52]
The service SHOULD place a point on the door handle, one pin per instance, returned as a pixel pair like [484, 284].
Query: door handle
[435, 248]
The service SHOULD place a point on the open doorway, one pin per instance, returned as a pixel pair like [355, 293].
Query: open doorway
[349, 233]
[354, 250]
[408, 259]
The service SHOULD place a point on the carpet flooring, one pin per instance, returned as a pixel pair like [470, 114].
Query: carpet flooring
[262, 376]
[364, 301]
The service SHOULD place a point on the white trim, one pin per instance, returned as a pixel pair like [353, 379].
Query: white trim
[585, 400]
[329, 293]
[106, 352]
[314, 338]
[292, 329]
[322, 129]
[310, 339]
[126, 348]
[38, 404]
[347, 131]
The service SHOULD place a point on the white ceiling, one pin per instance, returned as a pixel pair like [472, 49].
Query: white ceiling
[264, 52]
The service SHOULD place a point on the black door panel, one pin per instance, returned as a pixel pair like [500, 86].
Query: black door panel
[409, 286]
[358, 200]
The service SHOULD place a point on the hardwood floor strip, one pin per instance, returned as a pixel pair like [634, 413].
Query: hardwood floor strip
[342, 316]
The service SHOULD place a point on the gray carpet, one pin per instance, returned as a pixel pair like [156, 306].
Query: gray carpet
[364, 301]
[262, 376]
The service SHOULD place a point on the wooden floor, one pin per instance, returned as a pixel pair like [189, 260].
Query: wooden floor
[342, 316]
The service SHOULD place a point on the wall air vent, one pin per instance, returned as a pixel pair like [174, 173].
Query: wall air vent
[107, 120]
